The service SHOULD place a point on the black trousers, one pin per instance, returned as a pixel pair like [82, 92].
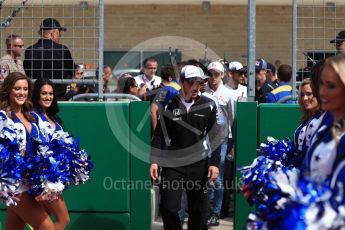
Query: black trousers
[193, 178]
[229, 187]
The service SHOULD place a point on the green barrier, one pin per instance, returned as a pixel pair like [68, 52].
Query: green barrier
[253, 125]
[86, 221]
[245, 146]
[277, 120]
[139, 171]
[90, 122]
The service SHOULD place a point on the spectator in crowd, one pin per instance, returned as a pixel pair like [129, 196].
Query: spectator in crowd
[189, 118]
[271, 80]
[168, 89]
[149, 80]
[225, 120]
[283, 93]
[203, 84]
[127, 84]
[260, 77]
[236, 72]
[339, 42]
[79, 72]
[236, 75]
[77, 88]
[271, 75]
[107, 76]
[14, 49]
[48, 58]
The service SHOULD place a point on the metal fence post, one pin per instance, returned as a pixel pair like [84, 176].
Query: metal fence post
[251, 47]
[100, 50]
[294, 48]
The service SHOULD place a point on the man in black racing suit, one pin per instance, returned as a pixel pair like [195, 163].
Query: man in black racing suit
[179, 146]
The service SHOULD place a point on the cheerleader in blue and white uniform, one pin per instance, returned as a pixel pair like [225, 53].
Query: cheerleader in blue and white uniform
[46, 109]
[327, 149]
[14, 101]
[310, 121]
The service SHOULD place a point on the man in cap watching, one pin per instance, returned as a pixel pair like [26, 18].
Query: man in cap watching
[260, 77]
[48, 58]
[271, 80]
[339, 42]
[236, 73]
[178, 147]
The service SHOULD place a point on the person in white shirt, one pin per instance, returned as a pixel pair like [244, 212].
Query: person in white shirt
[149, 79]
[225, 118]
[236, 72]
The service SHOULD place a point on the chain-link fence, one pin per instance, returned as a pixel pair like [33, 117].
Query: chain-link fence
[80, 18]
[317, 23]
[139, 33]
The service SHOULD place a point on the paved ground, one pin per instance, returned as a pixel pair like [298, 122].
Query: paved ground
[226, 224]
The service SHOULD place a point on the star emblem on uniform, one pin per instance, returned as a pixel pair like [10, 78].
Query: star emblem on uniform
[21, 131]
[49, 126]
[317, 158]
[21, 140]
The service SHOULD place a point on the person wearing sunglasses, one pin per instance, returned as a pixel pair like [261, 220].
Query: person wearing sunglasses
[10, 62]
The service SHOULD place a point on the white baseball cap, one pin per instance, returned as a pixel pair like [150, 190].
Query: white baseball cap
[235, 66]
[216, 66]
[191, 71]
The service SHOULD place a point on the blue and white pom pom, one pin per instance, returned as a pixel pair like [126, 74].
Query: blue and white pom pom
[11, 164]
[47, 173]
[56, 164]
[309, 205]
[80, 164]
[273, 155]
[277, 150]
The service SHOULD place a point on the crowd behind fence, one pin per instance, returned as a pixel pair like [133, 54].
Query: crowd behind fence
[316, 24]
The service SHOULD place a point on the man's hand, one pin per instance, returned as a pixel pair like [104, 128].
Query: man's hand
[154, 171]
[213, 172]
